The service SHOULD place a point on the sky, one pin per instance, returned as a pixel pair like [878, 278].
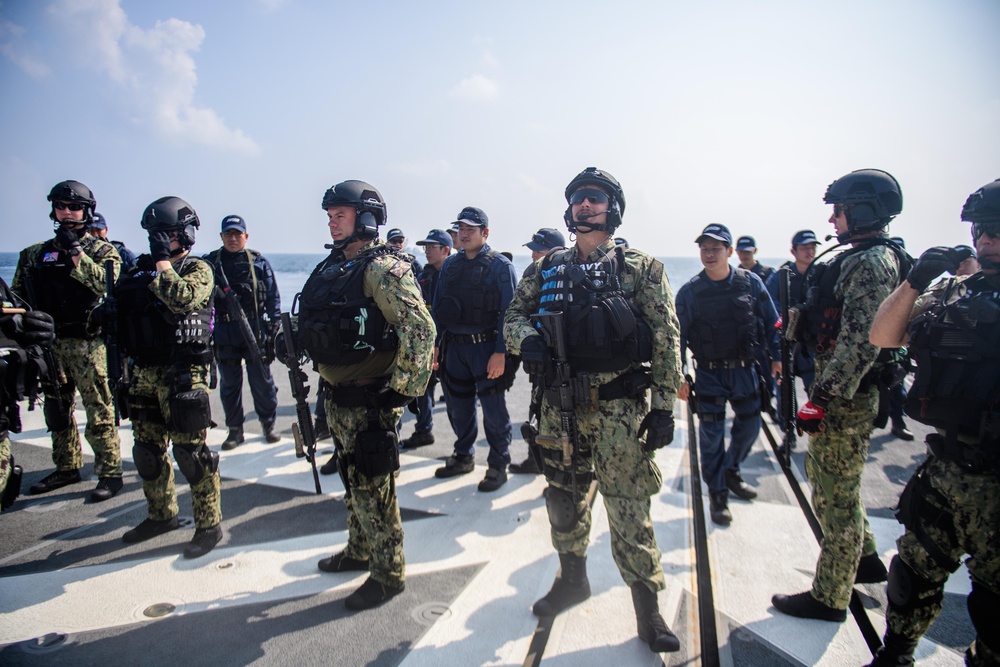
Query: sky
[738, 113]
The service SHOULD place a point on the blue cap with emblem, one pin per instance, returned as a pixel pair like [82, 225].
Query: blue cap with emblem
[717, 232]
[437, 236]
[234, 222]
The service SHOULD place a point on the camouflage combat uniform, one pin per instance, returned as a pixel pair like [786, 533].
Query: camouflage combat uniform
[837, 455]
[955, 506]
[375, 530]
[151, 390]
[81, 356]
[610, 451]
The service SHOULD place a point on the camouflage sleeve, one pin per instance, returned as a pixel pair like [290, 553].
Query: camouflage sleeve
[656, 303]
[90, 270]
[391, 283]
[866, 280]
[25, 262]
[186, 291]
[516, 323]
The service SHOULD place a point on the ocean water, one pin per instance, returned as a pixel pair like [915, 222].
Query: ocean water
[292, 269]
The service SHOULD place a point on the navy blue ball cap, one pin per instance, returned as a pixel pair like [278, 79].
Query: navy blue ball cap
[746, 243]
[98, 221]
[471, 215]
[437, 236]
[803, 237]
[395, 234]
[234, 222]
[717, 232]
[546, 239]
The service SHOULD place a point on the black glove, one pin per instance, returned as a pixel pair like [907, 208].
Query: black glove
[535, 356]
[658, 426]
[390, 398]
[37, 328]
[933, 262]
[68, 241]
[159, 246]
[280, 351]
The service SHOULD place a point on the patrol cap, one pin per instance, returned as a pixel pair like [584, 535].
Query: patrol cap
[546, 238]
[234, 222]
[454, 228]
[471, 215]
[803, 237]
[746, 243]
[717, 232]
[98, 221]
[395, 234]
[437, 236]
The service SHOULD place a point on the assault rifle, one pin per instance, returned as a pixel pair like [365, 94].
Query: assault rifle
[302, 429]
[562, 390]
[788, 399]
[116, 372]
[56, 413]
[236, 314]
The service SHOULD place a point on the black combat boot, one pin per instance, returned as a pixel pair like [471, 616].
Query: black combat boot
[234, 438]
[871, 570]
[652, 628]
[204, 540]
[56, 480]
[897, 652]
[900, 431]
[321, 430]
[269, 434]
[372, 594]
[570, 587]
[804, 605]
[331, 467]
[718, 508]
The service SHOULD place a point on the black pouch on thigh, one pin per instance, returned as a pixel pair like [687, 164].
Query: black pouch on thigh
[376, 452]
[57, 410]
[190, 411]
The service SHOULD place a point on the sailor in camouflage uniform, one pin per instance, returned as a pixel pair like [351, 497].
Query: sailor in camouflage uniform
[164, 323]
[622, 346]
[23, 334]
[363, 321]
[843, 296]
[65, 277]
[951, 505]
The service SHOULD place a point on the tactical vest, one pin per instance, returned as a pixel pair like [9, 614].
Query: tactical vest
[604, 329]
[241, 280]
[470, 299]
[338, 324]
[821, 313]
[957, 350]
[68, 301]
[149, 331]
[724, 325]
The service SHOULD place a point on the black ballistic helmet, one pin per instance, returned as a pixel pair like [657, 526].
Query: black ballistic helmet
[983, 205]
[603, 181]
[367, 203]
[168, 214]
[73, 191]
[872, 196]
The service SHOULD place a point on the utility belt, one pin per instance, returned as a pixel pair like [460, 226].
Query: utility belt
[727, 364]
[586, 395]
[356, 394]
[466, 339]
[979, 459]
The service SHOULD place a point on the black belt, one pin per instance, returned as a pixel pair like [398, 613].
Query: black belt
[726, 363]
[485, 337]
[355, 394]
[969, 456]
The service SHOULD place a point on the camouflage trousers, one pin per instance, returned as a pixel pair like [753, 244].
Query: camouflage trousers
[374, 527]
[4, 462]
[834, 465]
[626, 476]
[85, 365]
[972, 502]
[152, 387]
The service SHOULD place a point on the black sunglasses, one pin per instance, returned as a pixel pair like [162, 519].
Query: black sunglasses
[593, 196]
[840, 209]
[991, 229]
[71, 205]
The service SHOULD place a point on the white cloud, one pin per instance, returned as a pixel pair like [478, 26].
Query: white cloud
[477, 88]
[10, 36]
[155, 66]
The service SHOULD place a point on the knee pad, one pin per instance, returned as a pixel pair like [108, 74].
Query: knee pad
[907, 590]
[194, 461]
[148, 460]
[983, 604]
[561, 507]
